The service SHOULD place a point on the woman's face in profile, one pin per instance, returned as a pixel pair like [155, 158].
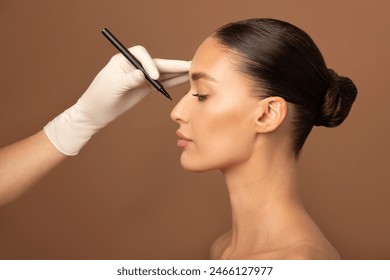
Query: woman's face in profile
[217, 117]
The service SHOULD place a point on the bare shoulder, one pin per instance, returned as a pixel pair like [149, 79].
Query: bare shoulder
[219, 246]
[309, 252]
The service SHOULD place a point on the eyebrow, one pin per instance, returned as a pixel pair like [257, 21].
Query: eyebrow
[202, 75]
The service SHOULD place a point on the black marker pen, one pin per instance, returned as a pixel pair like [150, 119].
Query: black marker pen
[134, 61]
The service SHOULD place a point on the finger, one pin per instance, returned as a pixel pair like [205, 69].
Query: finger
[146, 60]
[178, 80]
[172, 66]
[122, 62]
[132, 98]
[167, 76]
[134, 79]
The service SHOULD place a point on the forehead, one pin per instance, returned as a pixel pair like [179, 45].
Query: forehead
[212, 58]
[220, 66]
[216, 65]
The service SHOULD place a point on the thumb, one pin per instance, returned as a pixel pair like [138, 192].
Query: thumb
[134, 79]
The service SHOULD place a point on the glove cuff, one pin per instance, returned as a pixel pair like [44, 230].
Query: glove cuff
[70, 130]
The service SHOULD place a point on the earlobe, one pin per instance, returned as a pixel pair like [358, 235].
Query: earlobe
[272, 114]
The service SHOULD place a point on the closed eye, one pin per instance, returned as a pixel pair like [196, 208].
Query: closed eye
[201, 97]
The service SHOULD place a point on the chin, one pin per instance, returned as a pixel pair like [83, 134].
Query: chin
[194, 166]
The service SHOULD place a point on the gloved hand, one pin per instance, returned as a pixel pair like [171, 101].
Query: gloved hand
[117, 88]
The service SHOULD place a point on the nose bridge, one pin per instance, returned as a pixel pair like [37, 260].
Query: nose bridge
[180, 112]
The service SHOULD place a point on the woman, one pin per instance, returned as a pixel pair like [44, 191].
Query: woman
[257, 88]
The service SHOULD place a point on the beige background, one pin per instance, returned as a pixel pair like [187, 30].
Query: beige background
[125, 196]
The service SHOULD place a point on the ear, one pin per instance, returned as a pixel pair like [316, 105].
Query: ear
[271, 114]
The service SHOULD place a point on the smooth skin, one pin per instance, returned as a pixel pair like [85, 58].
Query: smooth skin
[25, 162]
[224, 126]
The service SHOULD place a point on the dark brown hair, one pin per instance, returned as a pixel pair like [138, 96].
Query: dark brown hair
[284, 61]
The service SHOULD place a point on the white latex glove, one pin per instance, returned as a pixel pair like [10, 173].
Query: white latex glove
[117, 88]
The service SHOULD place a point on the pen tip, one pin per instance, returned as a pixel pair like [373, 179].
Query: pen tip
[163, 91]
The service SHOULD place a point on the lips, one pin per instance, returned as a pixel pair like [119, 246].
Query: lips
[183, 141]
[182, 136]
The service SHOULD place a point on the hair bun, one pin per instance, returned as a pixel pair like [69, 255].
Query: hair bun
[337, 102]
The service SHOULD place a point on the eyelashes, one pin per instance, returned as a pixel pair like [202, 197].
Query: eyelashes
[201, 97]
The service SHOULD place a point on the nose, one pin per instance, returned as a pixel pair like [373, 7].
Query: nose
[179, 114]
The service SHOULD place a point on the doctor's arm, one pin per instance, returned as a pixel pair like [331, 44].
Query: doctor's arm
[117, 88]
[25, 162]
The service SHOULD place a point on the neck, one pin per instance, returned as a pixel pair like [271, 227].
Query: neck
[262, 194]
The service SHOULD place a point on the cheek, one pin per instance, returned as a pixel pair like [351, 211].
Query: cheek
[222, 139]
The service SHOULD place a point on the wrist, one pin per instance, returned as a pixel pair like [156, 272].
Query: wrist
[71, 130]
